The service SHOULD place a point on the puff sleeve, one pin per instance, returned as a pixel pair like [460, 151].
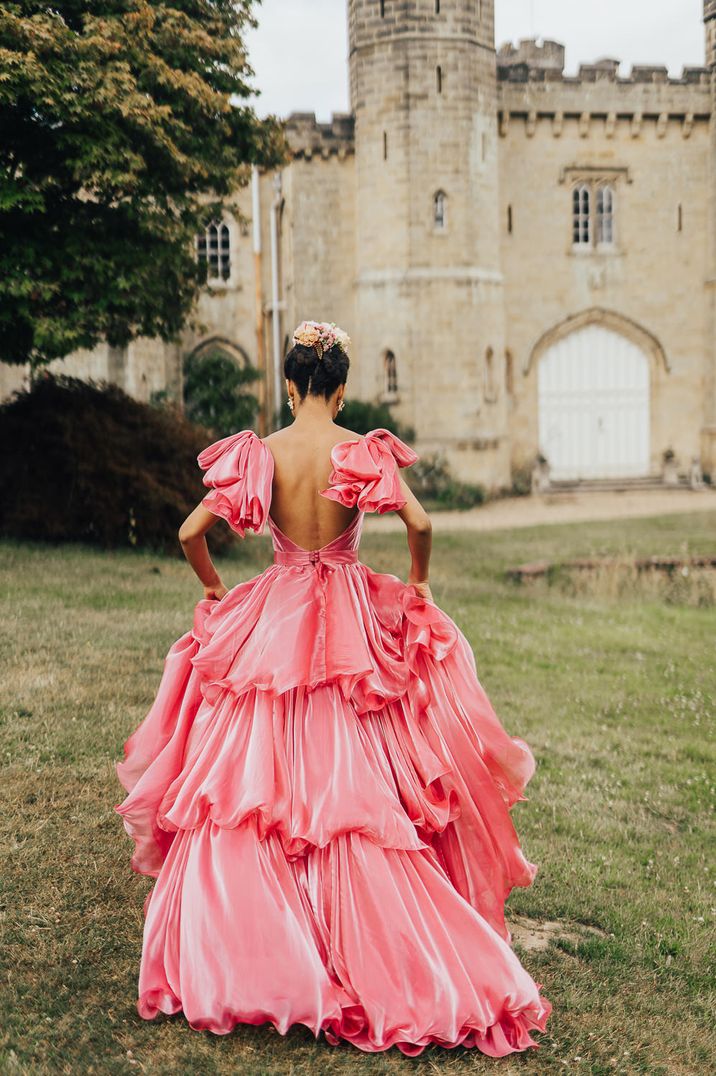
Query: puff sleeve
[239, 472]
[365, 472]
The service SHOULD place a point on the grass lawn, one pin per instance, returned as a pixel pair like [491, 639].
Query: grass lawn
[615, 697]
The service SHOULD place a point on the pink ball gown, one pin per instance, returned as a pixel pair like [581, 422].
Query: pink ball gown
[322, 791]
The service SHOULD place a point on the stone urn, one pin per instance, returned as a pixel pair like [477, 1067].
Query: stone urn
[540, 480]
[670, 470]
[696, 475]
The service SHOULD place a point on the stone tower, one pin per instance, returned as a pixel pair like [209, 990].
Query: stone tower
[710, 24]
[423, 91]
[708, 447]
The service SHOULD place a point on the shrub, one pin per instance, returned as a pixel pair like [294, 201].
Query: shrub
[433, 481]
[521, 480]
[216, 393]
[84, 462]
[361, 416]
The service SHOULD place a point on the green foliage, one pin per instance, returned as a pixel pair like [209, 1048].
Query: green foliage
[123, 131]
[522, 480]
[362, 416]
[434, 483]
[84, 462]
[215, 393]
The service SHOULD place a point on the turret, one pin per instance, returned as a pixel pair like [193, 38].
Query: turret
[429, 296]
[710, 26]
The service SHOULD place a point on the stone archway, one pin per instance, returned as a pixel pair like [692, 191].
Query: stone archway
[593, 390]
[608, 319]
[222, 345]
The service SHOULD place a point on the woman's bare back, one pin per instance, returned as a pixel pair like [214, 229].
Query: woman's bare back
[302, 466]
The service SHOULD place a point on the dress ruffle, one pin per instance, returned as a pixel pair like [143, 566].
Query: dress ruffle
[239, 470]
[365, 472]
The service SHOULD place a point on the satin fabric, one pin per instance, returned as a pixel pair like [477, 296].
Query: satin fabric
[322, 792]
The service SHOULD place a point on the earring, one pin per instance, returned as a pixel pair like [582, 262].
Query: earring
[290, 404]
[341, 405]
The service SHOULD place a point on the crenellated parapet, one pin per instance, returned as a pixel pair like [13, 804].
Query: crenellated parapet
[308, 138]
[515, 62]
[543, 61]
[532, 86]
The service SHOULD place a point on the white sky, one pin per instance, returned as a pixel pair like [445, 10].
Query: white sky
[299, 50]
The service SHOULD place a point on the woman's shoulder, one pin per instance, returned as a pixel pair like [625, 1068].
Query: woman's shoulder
[379, 435]
[344, 435]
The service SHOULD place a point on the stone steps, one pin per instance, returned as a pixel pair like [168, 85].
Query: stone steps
[613, 485]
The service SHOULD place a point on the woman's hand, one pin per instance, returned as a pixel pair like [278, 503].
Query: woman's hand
[422, 587]
[217, 592]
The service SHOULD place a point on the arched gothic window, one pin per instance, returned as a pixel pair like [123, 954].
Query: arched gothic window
[581, 216]
[594, 213]
[605, 213]
[390, 374]
[214, 248]
[440, 210]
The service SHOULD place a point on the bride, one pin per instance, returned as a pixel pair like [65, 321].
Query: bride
[321, 789]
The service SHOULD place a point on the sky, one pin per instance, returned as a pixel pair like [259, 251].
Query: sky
[292, 32]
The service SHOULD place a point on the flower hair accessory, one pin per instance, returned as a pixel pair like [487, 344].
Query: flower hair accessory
[321, 335]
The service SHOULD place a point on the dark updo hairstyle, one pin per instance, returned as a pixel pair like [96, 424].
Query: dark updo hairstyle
[314, 376]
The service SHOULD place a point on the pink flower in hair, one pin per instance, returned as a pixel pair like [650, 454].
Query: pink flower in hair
[308, 334]
[322, 335]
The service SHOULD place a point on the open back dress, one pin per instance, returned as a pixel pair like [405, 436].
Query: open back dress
[322, 792]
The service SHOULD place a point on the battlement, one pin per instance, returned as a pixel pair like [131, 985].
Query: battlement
[532, 85]
[530, 55]
[308, 138]
[534, 61]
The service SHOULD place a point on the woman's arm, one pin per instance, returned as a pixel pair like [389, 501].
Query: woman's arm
[420, 539]
[196, 551]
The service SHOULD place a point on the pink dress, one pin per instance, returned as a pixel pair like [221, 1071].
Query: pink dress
[322, 791]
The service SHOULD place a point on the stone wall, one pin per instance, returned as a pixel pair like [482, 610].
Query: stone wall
[318, 227]
[650, 137]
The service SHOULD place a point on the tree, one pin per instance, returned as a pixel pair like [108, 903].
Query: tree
[120, 139]
[215, 393]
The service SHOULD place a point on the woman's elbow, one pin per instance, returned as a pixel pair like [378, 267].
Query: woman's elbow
[186, 533]
[422, 525]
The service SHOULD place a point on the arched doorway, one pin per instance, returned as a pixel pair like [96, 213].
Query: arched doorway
[220, 345]
[594, 405]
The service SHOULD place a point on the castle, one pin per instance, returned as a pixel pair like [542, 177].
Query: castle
[525, 262]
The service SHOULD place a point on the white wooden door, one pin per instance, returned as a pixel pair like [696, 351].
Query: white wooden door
[593, 389]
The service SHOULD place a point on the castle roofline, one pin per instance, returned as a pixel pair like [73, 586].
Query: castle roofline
[308, 138]
[543, 61]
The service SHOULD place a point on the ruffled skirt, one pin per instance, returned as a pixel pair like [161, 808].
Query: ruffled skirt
[322, 792]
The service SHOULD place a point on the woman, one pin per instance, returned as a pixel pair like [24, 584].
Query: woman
[321, 788]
